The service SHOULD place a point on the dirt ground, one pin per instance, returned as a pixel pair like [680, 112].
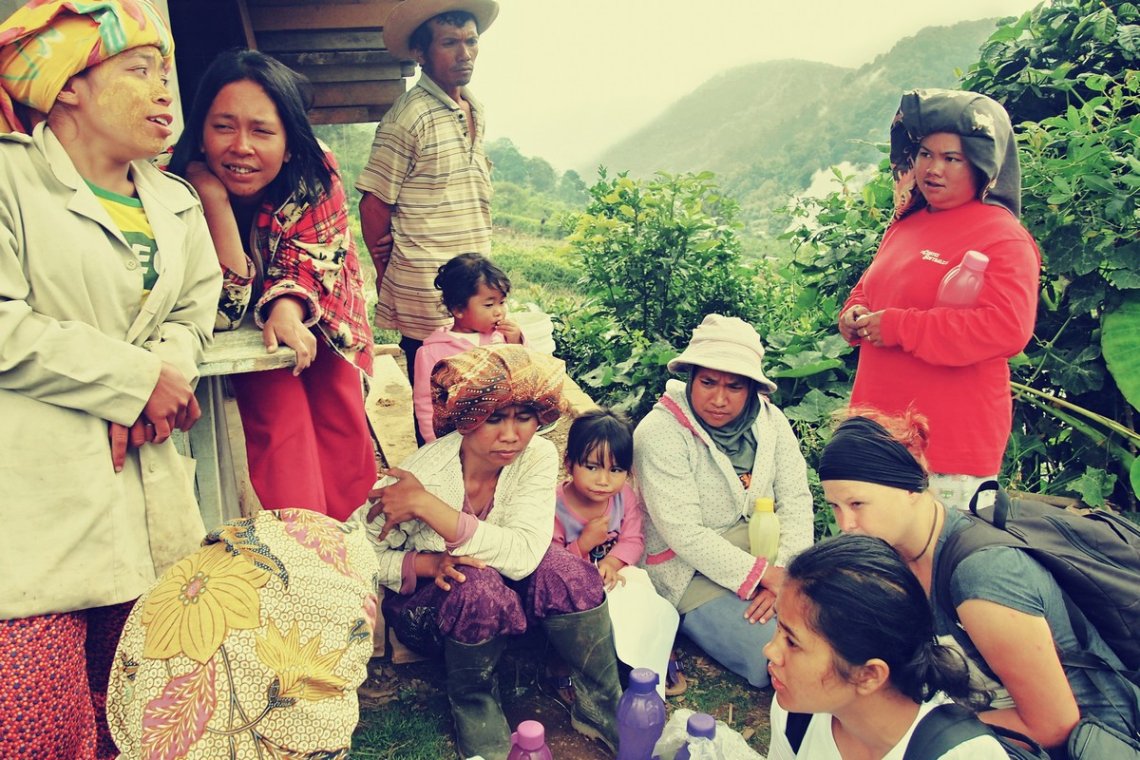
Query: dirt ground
[420, 688]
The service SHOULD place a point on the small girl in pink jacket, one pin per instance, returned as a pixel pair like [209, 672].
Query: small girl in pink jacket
[598, 517]
[475, 291]
[597, 514]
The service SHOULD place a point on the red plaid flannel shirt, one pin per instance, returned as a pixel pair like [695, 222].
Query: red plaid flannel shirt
[307, 251]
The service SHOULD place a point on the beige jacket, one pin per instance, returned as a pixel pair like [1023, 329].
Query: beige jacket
[76, 350]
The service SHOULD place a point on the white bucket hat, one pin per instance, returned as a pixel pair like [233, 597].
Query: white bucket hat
[406, 17]
[726, 344]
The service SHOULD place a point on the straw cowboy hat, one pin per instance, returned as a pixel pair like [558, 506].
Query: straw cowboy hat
[406, 17]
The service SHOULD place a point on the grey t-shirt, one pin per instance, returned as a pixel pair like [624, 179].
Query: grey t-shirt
[1013, 579]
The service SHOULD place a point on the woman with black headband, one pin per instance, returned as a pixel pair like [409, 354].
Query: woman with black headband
[1013, 618]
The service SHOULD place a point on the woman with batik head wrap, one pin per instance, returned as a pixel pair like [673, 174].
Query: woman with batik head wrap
[957, 190]
[108, 286]
[464, 542]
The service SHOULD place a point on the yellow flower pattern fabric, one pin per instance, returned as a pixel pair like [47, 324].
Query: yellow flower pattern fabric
[198, 601]
[252, 647]
[301, 672]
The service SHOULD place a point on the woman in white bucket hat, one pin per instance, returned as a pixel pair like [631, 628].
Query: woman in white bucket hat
[707, 450]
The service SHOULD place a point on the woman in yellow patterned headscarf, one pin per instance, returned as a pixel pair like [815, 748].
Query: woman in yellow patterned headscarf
[108, 287]
[43, 44]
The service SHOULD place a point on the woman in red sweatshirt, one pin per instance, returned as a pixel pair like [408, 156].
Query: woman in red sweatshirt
[957, 189]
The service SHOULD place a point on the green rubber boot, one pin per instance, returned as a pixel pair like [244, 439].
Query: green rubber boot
[480, 727]
[586, 641]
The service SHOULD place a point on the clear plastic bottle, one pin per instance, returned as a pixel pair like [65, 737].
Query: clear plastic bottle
[700, 726]
[528, 742]
[764, 529]
[640, 716]
[962, 284]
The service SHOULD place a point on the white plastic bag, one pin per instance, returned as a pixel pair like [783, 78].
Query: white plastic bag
[726, 745]
[536, 326]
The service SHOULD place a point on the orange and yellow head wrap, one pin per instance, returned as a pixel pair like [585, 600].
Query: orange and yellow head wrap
[468, 388]
[46, 42]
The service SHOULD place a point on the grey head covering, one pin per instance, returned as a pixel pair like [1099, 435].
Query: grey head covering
[987, 139]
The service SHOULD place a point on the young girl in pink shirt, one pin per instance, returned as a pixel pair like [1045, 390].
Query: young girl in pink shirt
[598, 517]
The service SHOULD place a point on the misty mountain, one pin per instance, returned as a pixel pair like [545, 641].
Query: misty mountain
[766, 128]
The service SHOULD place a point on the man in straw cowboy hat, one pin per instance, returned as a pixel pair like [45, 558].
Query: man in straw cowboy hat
[427, 186]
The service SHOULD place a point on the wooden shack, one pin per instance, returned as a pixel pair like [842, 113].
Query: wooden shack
[337, 44]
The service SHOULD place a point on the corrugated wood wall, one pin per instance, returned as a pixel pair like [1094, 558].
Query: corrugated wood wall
[339, 46]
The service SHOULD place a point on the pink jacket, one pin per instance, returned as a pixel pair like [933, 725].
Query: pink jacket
[439, 345]
[626, 536]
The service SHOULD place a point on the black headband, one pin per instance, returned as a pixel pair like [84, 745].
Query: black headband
[863, 450]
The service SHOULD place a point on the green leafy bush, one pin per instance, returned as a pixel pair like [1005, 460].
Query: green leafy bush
[656, 256]
[1066, 72]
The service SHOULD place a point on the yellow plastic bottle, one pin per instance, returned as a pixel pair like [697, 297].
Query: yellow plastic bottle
[764, 529]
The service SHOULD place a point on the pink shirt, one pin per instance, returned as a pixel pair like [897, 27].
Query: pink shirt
[626, 540]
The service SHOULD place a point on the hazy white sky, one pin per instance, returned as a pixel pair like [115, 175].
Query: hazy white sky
[564, 79]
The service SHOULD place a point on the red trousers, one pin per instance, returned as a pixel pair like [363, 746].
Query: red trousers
[307, 437]
[53, 692]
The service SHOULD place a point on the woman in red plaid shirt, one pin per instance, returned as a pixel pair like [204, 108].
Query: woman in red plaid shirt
[276, 210]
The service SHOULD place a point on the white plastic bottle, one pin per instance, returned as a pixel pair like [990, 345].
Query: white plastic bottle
[764, 529]
[962, 284]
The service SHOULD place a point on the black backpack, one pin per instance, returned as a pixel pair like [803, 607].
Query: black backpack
[940, 730]
[1095, 559]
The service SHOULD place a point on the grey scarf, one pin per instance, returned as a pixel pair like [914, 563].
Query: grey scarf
[987, 139]
[735, 439]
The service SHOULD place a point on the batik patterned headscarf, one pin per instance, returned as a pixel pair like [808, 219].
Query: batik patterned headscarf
[43, 44]
[987, 139]
[468, 388]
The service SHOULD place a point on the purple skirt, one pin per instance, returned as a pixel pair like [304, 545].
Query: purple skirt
[488, 605]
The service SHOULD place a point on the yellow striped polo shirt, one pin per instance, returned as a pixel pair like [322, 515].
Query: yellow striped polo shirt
[439, 183]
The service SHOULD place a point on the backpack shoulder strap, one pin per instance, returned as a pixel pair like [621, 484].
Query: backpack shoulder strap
[796, 729]
[941, 730]
[979, 534]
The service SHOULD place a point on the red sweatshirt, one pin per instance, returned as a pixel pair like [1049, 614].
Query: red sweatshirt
[951, 364]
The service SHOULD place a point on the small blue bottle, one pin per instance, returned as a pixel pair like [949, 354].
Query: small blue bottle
[700, 725]
[640, 716]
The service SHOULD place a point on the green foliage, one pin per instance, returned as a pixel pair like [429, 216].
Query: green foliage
[507, 163]
[657, 256]
[415, 726]
[1066, 73]
[572, 189]
[547, 263]
[662, 253]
